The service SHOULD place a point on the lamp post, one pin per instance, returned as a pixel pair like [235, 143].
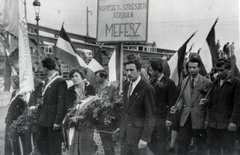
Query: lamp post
[37, 5]
[87, 20]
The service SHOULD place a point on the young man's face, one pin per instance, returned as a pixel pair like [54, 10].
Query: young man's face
[132, 72]
[99, 79]
[45, 71]
[222, 72]
[152, 72]
[193, 69]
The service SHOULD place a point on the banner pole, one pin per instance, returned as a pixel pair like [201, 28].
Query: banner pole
[121, 67]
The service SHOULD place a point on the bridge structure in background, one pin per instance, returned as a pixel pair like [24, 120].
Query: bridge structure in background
[48, 38]
[144, 51]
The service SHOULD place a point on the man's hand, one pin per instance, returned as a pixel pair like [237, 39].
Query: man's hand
[56, 127]
[39, 101]
[232, 127]
[115, 134]
[168, 123]
[173, 109]
[203, 101]
[32, 108]
[115, 84]
[206, 124]
[142, 144]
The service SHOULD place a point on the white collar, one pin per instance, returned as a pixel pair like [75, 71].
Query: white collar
[136, 81]
[159, 79]
[52, 76]
[195, 79]
[134, 84]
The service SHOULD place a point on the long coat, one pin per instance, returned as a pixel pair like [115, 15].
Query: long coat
[53, 109]
[83, 137]
[224, 103]
[139, 113]
[189, 102]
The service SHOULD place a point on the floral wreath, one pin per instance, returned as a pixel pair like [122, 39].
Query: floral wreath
[103, 115]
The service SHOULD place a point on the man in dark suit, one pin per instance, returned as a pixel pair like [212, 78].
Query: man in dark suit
[224, 110]
[165, 94]
[193, 114]
[52, 112]
[139, 114]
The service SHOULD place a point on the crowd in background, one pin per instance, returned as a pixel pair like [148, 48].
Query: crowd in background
[203, 110]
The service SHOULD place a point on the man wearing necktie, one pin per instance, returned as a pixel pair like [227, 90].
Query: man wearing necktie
[193, 114]
[138, 117]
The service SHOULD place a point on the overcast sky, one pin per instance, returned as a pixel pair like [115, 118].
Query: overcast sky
[171, 22]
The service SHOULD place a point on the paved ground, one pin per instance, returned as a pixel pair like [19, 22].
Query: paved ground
[4, 99]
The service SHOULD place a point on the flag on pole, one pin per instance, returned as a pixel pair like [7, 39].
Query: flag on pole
[66, 52]
[96, 63]
[112, 67]
[209, 51]
[176, 62]
[25, 72]
[9, 16]
[187, 55]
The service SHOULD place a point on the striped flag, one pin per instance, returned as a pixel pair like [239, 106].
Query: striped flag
[66, 52]
[96, 63]
[209, 51]
[176, 68]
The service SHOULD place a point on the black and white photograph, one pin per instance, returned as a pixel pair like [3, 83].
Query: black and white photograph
[119, 77]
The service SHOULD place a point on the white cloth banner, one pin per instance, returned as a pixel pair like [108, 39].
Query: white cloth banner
[25, 61]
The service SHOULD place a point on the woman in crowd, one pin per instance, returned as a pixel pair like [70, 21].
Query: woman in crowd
[16, 108]
[82, 142]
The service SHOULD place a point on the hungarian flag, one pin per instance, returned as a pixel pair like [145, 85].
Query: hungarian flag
[112, 67]
[209, 51]
[96, 63]
[176, 62]
[66, 52]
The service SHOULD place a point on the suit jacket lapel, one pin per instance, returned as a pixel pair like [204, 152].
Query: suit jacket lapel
[187, 91]
[135, 94]
[195, 93]
[49, 87]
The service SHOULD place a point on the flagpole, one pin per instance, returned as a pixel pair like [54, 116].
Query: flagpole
[25, 6]
[215, 22]
[121, 66]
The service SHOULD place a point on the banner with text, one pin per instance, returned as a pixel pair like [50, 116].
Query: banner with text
[125, 20]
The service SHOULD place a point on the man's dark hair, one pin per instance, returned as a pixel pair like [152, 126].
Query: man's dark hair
[223, 62]
[157, 65]
[49, 63]
[102, 73]
[194, 60]
[80, 71]
[83, 69]
[131, 57]
[136, 63]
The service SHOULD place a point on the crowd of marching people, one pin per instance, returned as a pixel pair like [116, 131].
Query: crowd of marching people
[203, 109]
